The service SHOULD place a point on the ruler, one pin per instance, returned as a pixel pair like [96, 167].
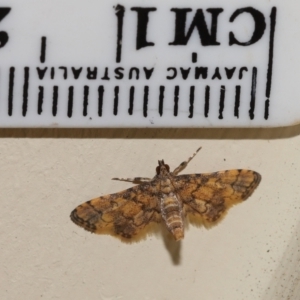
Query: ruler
[77, 63]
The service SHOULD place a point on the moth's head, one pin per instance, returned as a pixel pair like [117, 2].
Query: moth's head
[162, 168]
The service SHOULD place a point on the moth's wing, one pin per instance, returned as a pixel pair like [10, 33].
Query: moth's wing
[122, 214]
[210, 195]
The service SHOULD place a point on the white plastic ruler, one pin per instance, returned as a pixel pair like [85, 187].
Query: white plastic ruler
[139, 63]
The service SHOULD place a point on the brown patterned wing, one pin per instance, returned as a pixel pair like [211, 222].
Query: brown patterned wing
[122, 214]
[211, 195]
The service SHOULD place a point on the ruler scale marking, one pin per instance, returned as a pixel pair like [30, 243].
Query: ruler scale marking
[237, 100]
[25, 91]
[43, 49]
[270, 62]
[192, 98]
[176, 100]
[120, 10]
[11, 90]
[85, 100]
[116, 100]
[206, 101]
[40, 100]
[253, 93]
[131, 100]
[100, 99]
[55, 100]
[222, 102]
[70, 101]
[161, 100]
[145, 105]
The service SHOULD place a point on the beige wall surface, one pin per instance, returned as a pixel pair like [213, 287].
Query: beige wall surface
[254, 253]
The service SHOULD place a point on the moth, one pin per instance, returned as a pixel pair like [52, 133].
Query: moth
[166, 198]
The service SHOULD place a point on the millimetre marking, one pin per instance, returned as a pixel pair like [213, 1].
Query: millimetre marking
[11, 90]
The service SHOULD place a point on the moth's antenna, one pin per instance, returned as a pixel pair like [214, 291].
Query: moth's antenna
[185, 163]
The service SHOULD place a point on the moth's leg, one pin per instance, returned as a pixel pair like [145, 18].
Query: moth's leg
[136, 180]
[185, 163]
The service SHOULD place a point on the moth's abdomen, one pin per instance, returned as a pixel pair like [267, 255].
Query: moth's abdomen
[172, 214]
